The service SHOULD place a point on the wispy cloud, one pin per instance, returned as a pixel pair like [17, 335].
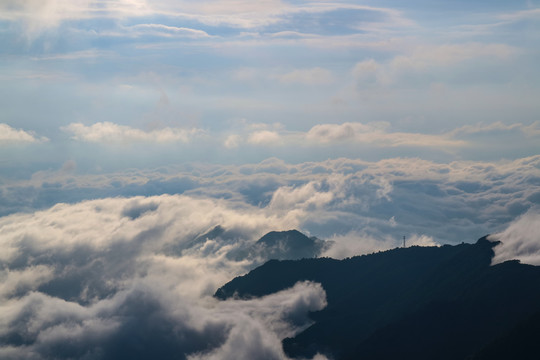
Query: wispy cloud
[530, 130]
[165, 31]
[107, 132]
[77, 55]
[313, 76]
[377, 134]
[519, 241]
[428, 61]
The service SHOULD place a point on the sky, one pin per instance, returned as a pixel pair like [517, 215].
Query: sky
[358, 122]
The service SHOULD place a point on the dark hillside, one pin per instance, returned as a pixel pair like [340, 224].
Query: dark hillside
[415, 303]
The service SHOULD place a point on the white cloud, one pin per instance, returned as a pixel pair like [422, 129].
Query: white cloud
[450, 202]
[521, 15]
[432, 61]
[307, 196]
[38, 16]
[232, 141]
[520, 240]
[77, 55]
[376, 134]
[251, 339]
[530, 130]
[450, 54]
[366, 71]
[356, 243]
[86, 279]
[313, 76]
[108, 132]
[166, 31]
[265, 137]
[9, 135]
[14, 282]
[420, 240]
[81, 273]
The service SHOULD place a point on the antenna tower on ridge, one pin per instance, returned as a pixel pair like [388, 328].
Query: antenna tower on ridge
[403, 240]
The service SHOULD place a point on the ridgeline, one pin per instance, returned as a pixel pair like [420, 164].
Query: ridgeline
[411, 303]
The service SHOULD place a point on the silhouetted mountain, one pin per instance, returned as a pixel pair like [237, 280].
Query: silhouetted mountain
[279, 245]
[288, 245]
[282, 245]
[409, 303]
[521, 342]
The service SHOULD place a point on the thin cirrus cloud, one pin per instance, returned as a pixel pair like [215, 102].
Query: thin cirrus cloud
[10, 135]
[107, 132]
[164, 31]
[272, 16]
[428, 58]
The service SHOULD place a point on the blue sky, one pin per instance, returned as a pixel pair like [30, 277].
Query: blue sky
[245, 81]
[96, 89]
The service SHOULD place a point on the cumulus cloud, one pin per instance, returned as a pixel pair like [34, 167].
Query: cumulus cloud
[265, 137]
[306, 196]
[520, 240]
[378, 134]
[91, 279]
[10, 135]
[107, 132]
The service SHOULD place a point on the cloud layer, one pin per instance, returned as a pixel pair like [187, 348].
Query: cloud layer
[89, 278]
[122, 278]
[448, 202]
[134, 277]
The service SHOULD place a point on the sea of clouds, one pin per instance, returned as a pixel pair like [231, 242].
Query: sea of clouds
[113, 266]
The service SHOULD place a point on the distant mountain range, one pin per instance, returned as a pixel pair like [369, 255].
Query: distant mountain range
[407, 303]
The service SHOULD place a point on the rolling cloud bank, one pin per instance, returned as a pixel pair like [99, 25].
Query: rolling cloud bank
[133, 276]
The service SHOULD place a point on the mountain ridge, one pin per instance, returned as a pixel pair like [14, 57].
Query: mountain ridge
[378, 304]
